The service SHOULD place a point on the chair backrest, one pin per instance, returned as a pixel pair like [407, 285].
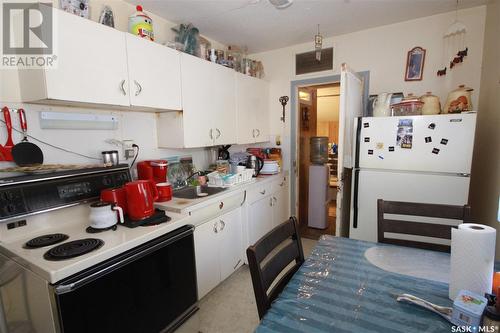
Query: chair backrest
[435, 230]
[269, 256]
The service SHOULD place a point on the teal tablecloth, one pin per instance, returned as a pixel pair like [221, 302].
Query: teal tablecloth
[338, 290]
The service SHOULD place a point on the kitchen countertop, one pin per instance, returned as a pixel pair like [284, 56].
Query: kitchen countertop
[184, 206]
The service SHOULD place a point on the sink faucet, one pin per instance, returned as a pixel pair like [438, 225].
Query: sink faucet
[185, 182]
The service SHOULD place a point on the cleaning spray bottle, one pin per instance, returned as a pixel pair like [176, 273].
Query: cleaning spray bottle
[140, 24]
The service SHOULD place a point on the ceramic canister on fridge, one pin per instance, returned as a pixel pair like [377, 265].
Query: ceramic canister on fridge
[141, 195]
[459, 100]
[140, 24]
[431, 104]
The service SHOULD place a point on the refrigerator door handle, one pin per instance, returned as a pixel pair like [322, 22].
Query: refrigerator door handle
[355, 199]
[357, 142]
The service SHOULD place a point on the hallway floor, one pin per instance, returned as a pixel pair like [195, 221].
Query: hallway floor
[313, 233]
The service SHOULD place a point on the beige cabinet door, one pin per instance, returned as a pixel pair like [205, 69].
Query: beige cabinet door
[207, 256]
[91, 63]
[154, 74]
[198, 105]
[230, 242]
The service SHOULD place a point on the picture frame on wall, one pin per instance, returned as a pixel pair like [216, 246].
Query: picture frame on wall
[415, 64]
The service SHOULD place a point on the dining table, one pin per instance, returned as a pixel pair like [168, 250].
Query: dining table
[348, 285]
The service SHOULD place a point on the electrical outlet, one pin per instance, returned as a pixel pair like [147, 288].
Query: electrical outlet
[128, 149]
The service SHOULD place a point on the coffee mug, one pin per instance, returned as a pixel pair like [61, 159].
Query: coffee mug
[117, 196]
[164, 192]
[141, 195]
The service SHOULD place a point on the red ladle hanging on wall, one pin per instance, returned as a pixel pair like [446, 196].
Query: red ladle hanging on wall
[7, 148]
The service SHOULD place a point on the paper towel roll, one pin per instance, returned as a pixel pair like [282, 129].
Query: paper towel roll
[472, 257]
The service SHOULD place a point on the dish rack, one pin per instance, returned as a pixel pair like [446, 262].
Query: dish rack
[219, 180]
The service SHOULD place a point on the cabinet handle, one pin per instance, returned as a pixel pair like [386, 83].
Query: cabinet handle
[210, 133]
[263, 192]
[218, 133]
[215, 228]
[258, 132]
[237, 264]
[223, 225]
[253, 132]
[275, 200]
[282, 183]
[122, 88]
[139, 88]
[271, 202]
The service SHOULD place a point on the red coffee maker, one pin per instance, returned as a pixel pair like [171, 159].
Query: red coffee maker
[155, 170]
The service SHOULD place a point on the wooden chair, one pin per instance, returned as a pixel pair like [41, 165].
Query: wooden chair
[435, 230]
[265, 264]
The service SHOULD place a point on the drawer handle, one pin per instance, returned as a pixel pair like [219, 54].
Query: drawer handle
[221, 205]
[223, 225]
[215, 228]
[282, 183]
[139, 88]
[122, 87]
[263, 192]
[258, 132]
[237, 264]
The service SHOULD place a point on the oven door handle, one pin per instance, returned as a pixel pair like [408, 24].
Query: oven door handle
[69, 287]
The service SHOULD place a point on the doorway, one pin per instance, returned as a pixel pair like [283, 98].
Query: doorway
[318, 116]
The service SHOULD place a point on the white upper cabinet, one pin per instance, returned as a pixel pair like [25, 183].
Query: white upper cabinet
[91, 66]
[198, 115]
[209, 107]
[154, 74]
[253, 112]
[223, 104]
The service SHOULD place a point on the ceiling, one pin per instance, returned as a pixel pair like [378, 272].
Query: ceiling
[260, 26]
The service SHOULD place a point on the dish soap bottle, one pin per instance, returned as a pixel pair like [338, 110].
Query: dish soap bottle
[140, 24]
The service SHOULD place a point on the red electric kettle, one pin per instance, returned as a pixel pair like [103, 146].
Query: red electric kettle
[141, 195]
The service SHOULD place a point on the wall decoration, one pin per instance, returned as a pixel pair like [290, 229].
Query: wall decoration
[283, 100]
[415, 64]
[454, 44]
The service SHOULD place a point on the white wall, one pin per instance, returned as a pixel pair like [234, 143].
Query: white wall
[485, 180]
[382, 51]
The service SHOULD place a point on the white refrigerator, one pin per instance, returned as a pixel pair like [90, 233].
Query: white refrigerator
[414, 158]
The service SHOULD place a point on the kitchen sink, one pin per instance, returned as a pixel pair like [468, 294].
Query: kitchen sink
[195, 192]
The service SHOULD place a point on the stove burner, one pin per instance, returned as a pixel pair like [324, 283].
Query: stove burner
[73, 249]
[45, 240]
[92, 230]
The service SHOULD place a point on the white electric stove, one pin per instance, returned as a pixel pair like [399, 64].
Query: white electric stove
[52, 270]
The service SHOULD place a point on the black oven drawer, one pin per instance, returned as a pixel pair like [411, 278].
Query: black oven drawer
[147, 289]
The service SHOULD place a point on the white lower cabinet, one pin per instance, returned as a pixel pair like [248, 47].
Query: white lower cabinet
[260, 218]
[280, 206]
[218, 249]
[269, 209]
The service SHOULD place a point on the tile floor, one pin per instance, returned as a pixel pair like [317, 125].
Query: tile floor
[230, 308]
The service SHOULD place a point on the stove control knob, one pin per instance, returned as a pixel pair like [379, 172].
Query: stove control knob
[107, 181]
[9, 209]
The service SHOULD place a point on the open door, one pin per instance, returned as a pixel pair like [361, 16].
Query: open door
[351, 107]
